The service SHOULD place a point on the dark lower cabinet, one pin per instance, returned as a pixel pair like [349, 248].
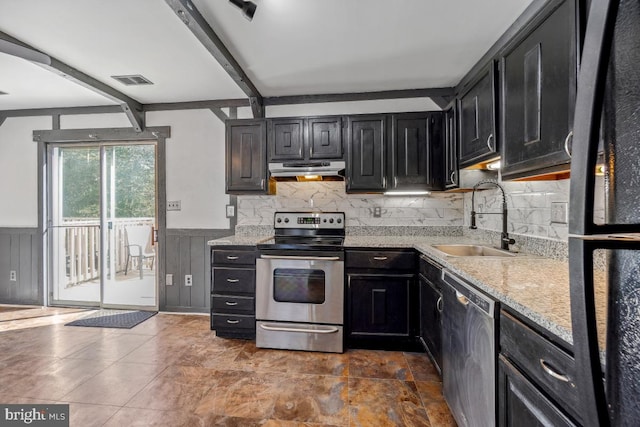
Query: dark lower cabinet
[536, 378]
[431, 310]
[522, 404]
[382, 299]
[233, 289]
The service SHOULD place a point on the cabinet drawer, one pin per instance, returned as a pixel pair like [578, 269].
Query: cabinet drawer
[232, 321]
[234, 280]
[234, 257]
[545, 363]
[388, 260]
[430, 270]
[229, 304]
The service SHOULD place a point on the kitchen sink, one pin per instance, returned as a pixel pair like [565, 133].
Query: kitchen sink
[472, 250]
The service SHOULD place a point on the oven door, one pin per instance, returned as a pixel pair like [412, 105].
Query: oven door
[306, 289]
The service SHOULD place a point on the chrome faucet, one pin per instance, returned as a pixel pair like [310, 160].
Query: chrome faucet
[505, 240]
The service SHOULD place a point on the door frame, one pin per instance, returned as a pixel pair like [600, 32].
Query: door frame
[71, 137]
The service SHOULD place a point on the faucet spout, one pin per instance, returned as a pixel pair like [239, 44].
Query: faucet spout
[505, 240]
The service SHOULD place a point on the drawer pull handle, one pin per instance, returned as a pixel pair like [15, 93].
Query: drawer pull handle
[232, 322]
[552, 372]
[439, 305]
[380, 258]
[462, 299]
[233, 280]
[232, 257]
[231, 303]
[328, 330]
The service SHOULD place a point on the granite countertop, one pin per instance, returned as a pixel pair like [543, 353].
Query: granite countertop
[535, 287]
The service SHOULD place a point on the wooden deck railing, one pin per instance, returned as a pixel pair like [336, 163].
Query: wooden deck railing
[81, 241]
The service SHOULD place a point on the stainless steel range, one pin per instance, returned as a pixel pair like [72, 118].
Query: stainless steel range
[300, 283]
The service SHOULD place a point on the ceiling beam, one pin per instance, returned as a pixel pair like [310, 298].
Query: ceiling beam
[32, 112]
[128, 105]
[191, 17]
[442, 101]
[360, 96]
[220, 114]
[233, 112]
[197, 105]
[2, 119]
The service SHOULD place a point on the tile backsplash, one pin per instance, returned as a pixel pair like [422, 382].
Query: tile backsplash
[529, 205]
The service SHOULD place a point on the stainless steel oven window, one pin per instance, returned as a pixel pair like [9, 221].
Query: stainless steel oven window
[299, 285]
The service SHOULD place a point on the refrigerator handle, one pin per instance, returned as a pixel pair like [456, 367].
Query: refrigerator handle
[586, 127]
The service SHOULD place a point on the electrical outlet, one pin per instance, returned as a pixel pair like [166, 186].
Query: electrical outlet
[169, 280]
[188, 280]
[377, 212]
[13, 276]
[231, 211]
[174, 205]
[559, 212]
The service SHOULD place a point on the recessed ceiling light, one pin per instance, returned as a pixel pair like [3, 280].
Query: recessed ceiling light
[133, 80]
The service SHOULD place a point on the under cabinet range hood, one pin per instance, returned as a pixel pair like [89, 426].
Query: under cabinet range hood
[308, 169]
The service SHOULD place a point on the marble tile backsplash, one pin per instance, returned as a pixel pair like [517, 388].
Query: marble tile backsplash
[437, 209]
[529, 205]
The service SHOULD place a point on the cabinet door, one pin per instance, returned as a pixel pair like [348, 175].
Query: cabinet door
[325, 138]
[478, 121]
[450, 149]
[379, 304]
[521, 404]
[246, 156]
[286, 139]
[539, 88]
[410, 156]
[366, 145]
[430, 319]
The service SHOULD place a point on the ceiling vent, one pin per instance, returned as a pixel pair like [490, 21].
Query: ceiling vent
[133, 80]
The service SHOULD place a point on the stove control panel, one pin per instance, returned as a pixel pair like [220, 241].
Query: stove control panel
[311, 220]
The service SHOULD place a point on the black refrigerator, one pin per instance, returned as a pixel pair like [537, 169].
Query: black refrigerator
[607, 114]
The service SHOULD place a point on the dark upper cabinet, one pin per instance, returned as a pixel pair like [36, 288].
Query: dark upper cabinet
[450, 138]
[313, 138]
[325, 138]
[366, 144]
[286, 139]
[538, 94]
[246, 157]
[416, 143]
[477, 107]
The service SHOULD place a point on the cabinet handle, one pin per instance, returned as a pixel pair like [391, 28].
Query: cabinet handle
[489, 142]
[452, 178]
[462, 299]
[231, 303]
[552, 372]
[232, 257]
[380, 258]
[439, 305]
[262, 183]
[233, 280]
[395, 182]
[232, 322]
[566, 143]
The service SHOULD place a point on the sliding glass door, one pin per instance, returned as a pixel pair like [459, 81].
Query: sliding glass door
[102, 222]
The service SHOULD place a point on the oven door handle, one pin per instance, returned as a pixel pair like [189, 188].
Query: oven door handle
[302, 258]
[330, 330]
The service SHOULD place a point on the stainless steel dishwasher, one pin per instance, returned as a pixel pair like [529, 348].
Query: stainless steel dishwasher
[469, 358]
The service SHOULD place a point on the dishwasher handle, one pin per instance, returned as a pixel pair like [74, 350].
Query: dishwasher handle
[466, 293]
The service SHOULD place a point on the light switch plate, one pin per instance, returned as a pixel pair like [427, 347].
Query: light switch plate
[559, 212]
[169, 280]
[231, 211]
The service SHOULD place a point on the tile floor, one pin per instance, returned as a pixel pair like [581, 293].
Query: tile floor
[172, 370]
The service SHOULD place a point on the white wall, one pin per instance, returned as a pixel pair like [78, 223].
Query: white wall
[195, 165]
[195, 168]
[19, 171]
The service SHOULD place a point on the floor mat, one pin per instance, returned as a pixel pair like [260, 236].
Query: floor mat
[113, 319]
